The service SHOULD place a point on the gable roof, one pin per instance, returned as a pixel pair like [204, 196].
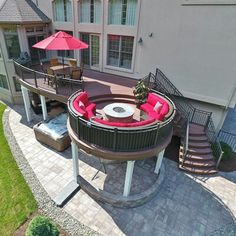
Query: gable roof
[20, 11]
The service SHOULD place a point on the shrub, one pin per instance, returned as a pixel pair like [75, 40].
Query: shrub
[228, 152]
[41, 226]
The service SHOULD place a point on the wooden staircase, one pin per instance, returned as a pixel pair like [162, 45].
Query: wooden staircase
[196, 151]
[199, 158]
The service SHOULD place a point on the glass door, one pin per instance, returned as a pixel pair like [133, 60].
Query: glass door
[36, 54]
[90, 56]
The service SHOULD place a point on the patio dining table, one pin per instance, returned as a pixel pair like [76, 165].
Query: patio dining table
[61, 69]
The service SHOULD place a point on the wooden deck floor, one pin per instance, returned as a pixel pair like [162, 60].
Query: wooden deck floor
[95, 83]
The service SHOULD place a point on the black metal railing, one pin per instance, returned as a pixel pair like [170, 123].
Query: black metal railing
[228, 138]
[188, 112]
[53, 83]
[120, 139]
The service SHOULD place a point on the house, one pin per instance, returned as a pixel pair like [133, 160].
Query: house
[191, 41]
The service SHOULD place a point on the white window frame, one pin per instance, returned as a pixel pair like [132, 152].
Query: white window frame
[65, 14]
[117, 68]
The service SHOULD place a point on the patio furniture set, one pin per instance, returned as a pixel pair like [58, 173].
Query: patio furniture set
[156, 109]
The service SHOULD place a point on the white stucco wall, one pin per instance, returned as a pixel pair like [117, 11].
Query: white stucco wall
[193, 45]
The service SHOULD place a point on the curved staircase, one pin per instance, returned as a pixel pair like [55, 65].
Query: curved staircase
[199, 147]
[199, 158]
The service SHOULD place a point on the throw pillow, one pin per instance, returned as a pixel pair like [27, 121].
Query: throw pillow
[157, 107]
[81, 105]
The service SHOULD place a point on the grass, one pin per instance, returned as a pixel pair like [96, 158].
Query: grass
[16, 199]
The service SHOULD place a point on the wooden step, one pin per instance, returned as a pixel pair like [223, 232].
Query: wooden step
[198, 164]
[197, 145]
[196, 130]
[194, 170]
[206, 157]
[198, 138]
[201, 151]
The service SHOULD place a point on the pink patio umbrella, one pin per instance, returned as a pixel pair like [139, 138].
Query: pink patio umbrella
[61, 41]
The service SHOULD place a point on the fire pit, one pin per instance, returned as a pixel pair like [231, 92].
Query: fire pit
[119, 112]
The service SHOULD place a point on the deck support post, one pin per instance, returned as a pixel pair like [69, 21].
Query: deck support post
[26, 100]
[75, 158]
[128, 178]
[44, 107]
[159, 156]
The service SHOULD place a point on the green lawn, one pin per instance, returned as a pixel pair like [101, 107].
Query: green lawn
[16, 199]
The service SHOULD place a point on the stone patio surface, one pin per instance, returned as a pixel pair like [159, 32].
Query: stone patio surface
[185, 204]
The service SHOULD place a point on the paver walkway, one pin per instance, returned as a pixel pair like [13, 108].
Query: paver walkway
[184, 205]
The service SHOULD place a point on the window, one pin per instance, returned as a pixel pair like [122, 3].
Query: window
[12, 43]
[3, 82]
[120, 51]
[122, 12]
[90, 11]
[62, 10]
[66, 53]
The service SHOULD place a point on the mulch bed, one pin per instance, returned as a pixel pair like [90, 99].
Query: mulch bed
[22, 229]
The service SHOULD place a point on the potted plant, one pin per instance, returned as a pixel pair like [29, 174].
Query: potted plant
[140, 92]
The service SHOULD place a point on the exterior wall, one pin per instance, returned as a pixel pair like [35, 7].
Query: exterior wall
[193, 45]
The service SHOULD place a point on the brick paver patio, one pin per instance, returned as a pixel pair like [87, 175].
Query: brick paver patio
[185, 204]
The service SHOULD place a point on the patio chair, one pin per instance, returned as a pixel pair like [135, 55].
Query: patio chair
[73, 63]
[54, 62]
[44, 71]
[24, 59]
[50, 78]
[76, 74]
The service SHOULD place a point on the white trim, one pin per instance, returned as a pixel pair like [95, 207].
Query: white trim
[44, 107]
[159, 161]
[75, 159]
[26, 99]
[128, 178]
[208, 2]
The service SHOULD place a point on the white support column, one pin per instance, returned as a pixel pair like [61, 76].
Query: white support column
[128, 178]
[44, 107]
[26, 99]
[75, 158]
[159, 156]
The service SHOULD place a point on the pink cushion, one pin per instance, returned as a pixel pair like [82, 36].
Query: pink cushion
[156, 115]
[78, 108]
[81, 105]
[146, 107]
[165, 109]
[153, 99]
[91, 107]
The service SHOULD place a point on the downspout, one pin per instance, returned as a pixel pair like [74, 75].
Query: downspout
[74, 28]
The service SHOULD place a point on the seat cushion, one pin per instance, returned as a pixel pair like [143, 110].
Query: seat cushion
[153, 99]
[165, 109]
[156, 115]
[146, 107]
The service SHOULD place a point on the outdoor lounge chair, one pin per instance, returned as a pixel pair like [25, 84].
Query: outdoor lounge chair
[24, 59]
[76, 74]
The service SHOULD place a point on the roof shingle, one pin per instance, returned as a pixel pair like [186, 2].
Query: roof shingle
[20, 11]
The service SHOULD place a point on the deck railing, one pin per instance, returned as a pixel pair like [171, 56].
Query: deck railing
[228, 138]
[119, 139]
[161, 83]
[52, 83]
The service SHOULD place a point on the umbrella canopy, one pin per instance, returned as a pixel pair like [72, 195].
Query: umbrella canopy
[61, 41]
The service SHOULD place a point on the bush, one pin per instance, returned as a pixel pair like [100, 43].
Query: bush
[228, 152]
[41, 226]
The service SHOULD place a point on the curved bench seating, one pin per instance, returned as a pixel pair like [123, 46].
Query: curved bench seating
[156, 107]
[82, 105]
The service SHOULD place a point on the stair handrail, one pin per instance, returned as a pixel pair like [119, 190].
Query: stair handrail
[161, 83]
[185, 141]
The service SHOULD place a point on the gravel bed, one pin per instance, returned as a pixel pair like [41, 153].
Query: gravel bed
[45, 203]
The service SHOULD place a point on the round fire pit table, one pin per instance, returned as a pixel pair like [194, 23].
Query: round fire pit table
[119, 112]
